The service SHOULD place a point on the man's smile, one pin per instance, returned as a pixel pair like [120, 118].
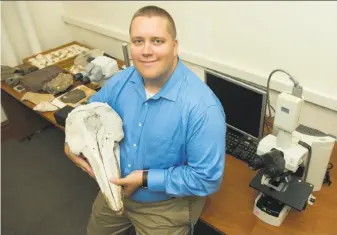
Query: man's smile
[148, 63]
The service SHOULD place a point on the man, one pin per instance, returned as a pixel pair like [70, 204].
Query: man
[173, 150]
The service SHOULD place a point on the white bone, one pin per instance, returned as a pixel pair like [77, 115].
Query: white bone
[95, 130]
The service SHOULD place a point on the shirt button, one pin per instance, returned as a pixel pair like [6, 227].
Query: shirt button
[139, 124]
[145, 103]
[134, 145]
[129, 165]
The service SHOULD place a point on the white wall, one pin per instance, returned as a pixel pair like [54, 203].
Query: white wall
[42, 23]
[247, 39]
[244, 39]
[14, 32]
[45, 27]
[50, 28]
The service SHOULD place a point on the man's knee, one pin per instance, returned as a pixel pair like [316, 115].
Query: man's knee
[171, 217]
[104, 221]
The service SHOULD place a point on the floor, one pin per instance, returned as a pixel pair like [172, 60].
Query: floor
[44, 193]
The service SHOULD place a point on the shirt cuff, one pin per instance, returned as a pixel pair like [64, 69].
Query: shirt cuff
[156, 180]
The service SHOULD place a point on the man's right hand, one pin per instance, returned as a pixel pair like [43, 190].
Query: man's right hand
[79, 161]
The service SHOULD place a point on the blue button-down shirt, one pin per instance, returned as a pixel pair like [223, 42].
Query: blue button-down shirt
[178, 134]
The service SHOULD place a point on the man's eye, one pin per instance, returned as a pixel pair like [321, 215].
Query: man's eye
[137, 41]
[158, 41]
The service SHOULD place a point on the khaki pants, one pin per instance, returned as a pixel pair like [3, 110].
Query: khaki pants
[170, 217]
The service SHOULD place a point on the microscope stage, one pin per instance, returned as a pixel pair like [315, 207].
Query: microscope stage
[295, 196]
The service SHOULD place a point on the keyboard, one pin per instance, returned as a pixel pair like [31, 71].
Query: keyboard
[240, 146]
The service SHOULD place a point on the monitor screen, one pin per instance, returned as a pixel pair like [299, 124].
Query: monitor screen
[244, 104]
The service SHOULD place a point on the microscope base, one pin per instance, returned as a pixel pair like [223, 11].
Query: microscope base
[270, 210]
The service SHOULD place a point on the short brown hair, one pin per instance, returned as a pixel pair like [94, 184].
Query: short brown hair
[150, 11]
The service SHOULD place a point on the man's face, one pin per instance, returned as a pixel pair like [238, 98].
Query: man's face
[153, 49]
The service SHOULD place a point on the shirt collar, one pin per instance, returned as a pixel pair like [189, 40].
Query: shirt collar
[136, 78]
[170, 89]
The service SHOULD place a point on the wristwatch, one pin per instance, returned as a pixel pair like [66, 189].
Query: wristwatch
[144, 182]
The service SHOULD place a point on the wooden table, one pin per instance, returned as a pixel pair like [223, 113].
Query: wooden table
[49, 116]
[230, 209]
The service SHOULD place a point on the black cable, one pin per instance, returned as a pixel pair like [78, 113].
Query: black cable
[330, 166]
[307, 146]
[268, 125]
[268, 129]
[327, 179]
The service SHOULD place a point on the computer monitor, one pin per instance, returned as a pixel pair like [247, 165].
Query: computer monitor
[244, 104]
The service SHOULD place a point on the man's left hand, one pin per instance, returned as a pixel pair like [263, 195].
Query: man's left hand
[130, 183]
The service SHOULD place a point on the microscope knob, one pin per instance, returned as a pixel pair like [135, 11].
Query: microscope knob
[287, 178]
[89, 59]
[86, 80]
[311, 199]
[78, 76]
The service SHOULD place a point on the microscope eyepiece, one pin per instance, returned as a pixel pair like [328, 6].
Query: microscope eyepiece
[78, 76]
[273, 162]
[256, 163]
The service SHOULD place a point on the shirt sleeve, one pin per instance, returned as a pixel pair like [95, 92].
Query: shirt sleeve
[206, 141]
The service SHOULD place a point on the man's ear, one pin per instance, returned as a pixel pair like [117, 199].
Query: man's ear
[175, 47]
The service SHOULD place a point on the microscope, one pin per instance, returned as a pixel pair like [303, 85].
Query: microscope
[282, 161]
[95, 67]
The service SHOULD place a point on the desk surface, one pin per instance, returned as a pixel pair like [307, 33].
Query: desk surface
[230, 209]
[18, 95]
